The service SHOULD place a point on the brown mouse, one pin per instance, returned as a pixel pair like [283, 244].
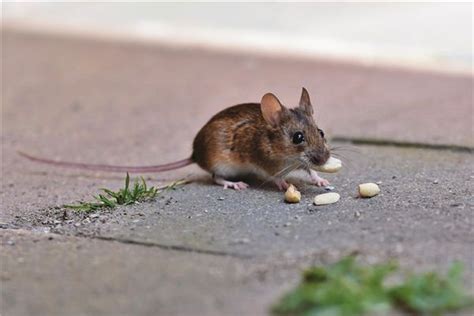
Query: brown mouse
[266, 139]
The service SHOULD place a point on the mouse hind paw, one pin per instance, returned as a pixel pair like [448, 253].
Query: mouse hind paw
[230, 184]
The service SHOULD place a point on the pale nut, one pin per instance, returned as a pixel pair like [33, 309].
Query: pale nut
[368, 190]
[331, 166]
[326, 198]
[292, 195]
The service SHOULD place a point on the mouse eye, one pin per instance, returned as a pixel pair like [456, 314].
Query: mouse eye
[321, 132]
[298, 138]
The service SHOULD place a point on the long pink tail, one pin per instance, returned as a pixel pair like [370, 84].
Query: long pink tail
[110, 168]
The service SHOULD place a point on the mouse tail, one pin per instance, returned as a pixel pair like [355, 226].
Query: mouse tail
[110, 168]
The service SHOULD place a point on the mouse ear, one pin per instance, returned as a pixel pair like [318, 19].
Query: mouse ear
[271, 109]
[305, 102]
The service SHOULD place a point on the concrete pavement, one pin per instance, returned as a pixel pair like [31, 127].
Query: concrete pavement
[200, 250]
[58, 275]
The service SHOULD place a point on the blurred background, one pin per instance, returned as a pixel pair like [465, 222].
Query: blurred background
[433, 35]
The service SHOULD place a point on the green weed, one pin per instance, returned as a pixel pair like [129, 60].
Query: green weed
[432, 294]
[138, 192]
[347, 289]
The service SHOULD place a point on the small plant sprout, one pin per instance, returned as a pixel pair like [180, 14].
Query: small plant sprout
[138, 192]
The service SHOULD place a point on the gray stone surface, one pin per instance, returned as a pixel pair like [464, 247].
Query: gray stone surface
[48, 274]
[254, 241]
[202, 250]
[425, 209]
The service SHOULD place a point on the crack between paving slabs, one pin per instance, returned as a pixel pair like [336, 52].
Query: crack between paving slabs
[173, 247]
[138, 242]
[149, 244]
[394, 143]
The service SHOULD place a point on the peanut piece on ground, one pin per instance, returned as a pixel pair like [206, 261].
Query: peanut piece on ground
[368, 190]
[326, 198]
[292, 195]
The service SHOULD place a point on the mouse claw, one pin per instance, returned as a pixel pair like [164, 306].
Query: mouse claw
[231, 185]
[239, 185]
[281, 184]
[317, 180]
[321, 183]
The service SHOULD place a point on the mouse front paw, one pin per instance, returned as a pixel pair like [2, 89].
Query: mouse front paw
[281, 184]
[317, 180]
[321, 182]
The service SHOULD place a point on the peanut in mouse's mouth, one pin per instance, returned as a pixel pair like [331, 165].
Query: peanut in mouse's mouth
[316, 157]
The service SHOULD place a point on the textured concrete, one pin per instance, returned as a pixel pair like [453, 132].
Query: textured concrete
[85, 100]
[200, 250]
[56, 275]
[418, 187]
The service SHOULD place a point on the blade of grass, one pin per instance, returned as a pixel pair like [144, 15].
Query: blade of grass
[125, 196]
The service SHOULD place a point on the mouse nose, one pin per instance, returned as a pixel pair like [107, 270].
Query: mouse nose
[319, 157]
[316, 160]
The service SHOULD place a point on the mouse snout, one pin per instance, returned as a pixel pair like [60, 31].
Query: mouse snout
[319, 157]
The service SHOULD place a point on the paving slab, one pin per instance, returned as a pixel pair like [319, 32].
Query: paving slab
[47, 274]
[50, 274]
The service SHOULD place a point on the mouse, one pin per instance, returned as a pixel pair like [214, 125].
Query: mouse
[265, 139]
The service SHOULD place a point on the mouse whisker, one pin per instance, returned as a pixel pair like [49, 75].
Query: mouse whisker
[297, 166]
[338, 155]
[351, 149]
[341, 151]
[287, 169]
[282, 173]
[347, 163]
